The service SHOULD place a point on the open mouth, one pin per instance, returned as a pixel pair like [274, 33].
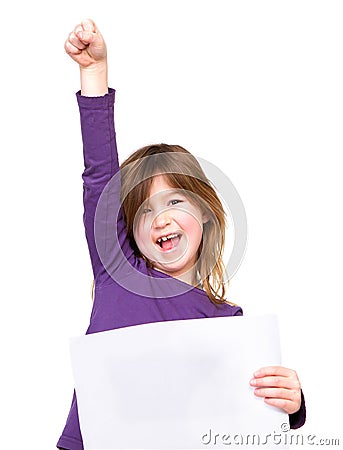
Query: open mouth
[169, 241]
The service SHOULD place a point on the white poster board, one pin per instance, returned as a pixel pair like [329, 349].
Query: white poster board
[177, 385]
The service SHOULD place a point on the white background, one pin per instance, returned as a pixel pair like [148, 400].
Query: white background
[253, 86]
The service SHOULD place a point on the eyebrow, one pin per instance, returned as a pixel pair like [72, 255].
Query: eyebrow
[171, 191]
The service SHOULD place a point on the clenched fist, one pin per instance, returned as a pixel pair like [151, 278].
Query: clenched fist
[85, 44]
[87, 47]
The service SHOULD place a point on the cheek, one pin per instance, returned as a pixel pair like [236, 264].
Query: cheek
[191, 224]
[141, 233]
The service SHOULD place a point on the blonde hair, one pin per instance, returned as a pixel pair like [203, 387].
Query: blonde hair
[182, 173]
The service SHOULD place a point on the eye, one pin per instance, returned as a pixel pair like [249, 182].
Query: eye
[175, 202]
[144, 208]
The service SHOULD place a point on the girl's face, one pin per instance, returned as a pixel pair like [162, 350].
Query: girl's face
[168, 229]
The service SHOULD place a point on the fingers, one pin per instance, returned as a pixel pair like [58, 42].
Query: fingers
[285, 394]
[286, 405]
[285, 382]
[82, 35]
[273, 370]
[289, 401]
[89, 25]
[276, 376]
[73, 44]
[279, 387]
[87, 32]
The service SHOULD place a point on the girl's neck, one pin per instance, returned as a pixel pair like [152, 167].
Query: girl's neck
[188, 277]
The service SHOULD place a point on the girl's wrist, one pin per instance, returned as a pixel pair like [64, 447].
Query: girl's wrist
[94, 79]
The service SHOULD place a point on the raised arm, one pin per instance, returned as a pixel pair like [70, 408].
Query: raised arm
[86, 46]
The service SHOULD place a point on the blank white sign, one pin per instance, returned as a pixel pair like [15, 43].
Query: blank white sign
[177, 385]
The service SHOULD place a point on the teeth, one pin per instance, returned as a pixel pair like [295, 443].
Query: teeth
[165, 238]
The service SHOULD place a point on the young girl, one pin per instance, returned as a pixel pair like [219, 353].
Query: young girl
[155, 232]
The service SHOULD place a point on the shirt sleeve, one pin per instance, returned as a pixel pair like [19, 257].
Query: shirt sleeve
[101, 169]
[71, 438]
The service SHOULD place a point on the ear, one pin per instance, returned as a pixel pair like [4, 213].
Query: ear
[205, 217]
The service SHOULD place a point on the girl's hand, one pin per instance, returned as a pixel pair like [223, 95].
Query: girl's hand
[86, 46]
[279, 386]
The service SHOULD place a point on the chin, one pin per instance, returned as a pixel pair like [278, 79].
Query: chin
[174, 270]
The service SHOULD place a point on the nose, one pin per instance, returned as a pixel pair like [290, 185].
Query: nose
[162, 220]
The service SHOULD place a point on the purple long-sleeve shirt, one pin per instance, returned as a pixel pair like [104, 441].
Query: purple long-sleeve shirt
[126, 292]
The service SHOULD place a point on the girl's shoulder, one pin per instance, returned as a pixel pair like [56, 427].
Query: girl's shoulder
[228, 308]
